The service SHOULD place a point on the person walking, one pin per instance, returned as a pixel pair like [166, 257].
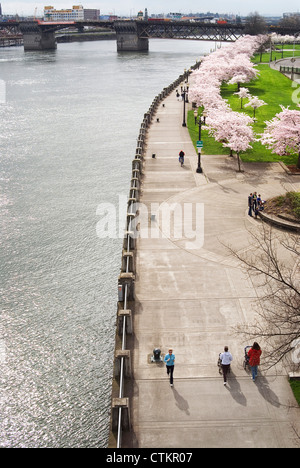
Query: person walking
[170, 362]
[254, 200]
[250, 204]
[181, 157]
[254, 354]
[226, 359]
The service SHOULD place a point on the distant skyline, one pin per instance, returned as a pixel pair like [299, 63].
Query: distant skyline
[131, 7]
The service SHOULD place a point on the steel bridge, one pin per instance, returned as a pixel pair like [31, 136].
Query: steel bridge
[135, 35]
[194, 31]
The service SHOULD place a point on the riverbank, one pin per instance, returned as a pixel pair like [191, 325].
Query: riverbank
[189, 292]
[11, 41]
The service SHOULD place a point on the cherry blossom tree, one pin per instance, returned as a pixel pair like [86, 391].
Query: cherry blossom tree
[242, 70]
[243, 93]
[241, 135]
[239, 79]
[229, 64]
[282, 134]
[232, 129]
[207, 91]
[255, 103]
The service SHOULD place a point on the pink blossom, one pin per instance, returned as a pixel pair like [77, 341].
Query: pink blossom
[230, 64]
[282, 133]
[232, 129]
[255, 103]
[243, 93]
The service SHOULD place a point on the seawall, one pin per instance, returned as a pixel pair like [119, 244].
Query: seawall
[122, 391]
[10, 41]
[86, 37]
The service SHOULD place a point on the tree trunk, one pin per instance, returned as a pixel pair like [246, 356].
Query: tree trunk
[298, 162]
[239, 161]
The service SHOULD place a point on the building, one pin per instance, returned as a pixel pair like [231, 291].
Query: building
[91, 15]
[174, 16]
[74, 14]
[288, 15]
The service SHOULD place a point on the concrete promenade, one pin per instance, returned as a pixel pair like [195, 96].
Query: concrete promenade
[189, 295]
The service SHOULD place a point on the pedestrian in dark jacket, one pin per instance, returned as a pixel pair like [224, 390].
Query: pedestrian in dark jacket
[254, 198]
[250, 204]
[181, 157]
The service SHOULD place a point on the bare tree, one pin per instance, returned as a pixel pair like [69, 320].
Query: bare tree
[273, 266]
[255, 24]
[290, 21]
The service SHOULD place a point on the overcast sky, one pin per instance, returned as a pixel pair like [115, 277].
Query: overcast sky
[131, 7]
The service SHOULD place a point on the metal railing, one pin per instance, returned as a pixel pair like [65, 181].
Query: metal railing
[289, 70]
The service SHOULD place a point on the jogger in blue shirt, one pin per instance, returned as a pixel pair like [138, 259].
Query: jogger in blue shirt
[170, 362]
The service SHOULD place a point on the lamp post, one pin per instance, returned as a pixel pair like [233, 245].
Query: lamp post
[200, 122]
[199, 168]
[195, 116]
[184, 93]
[187, 93]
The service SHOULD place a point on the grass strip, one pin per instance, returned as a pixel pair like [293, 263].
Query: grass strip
[295, 385]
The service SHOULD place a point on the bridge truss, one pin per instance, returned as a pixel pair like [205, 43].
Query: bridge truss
[193, 31]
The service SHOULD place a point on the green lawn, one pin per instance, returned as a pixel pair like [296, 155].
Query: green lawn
[295, 385]
[273, 88]
[277, 53]
[288, 46]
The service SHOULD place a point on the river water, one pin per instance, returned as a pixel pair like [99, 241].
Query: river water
[69, 124]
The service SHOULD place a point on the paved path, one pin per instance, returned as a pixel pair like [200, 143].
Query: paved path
[189, 295]
[286, 62]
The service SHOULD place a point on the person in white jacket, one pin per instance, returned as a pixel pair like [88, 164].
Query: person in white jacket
[226, 359]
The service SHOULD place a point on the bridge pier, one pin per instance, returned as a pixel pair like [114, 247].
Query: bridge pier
[128, 37]
[35, 38]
